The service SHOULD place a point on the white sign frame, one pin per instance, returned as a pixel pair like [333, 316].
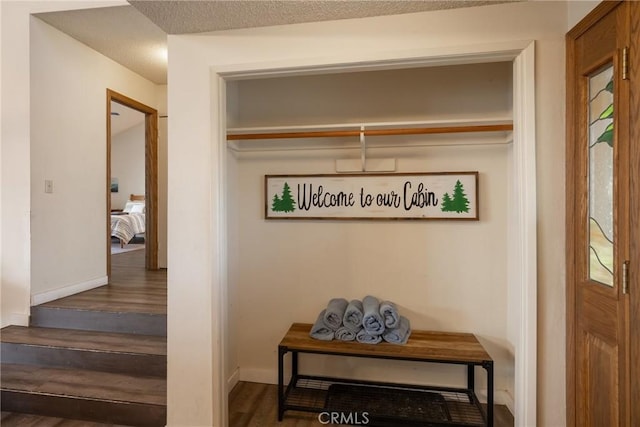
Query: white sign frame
[366, 196]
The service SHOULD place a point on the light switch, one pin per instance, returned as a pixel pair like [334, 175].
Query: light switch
[48, 186]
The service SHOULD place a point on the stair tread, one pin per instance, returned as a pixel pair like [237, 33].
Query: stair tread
[85, 340]
[83, 384]
[118, 297]
[111, 306]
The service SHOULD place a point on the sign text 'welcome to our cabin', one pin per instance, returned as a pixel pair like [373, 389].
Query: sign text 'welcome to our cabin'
[443, 195]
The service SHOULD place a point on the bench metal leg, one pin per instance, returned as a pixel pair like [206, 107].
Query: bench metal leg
[489, 368]
[294, 366]
[281, 352]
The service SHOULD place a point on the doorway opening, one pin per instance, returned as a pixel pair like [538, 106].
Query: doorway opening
[150, 197]
[127, 181]
[522, 242]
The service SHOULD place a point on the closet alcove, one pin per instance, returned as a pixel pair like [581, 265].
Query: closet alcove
[443, 275]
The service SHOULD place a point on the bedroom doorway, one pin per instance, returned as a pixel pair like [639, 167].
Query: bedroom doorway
[145, 203]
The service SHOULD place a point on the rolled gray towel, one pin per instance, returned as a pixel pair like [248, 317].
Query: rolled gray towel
[353, 315]
[345, 334]
[399, 335]
[389, 313]
[364, 338]
[372, 320]
[320, 331]
[335, 312]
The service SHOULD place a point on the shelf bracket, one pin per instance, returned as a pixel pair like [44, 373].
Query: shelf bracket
[363, 150]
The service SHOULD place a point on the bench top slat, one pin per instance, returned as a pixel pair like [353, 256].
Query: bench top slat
[422, 345]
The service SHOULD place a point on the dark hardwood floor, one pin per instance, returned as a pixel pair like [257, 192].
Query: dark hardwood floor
[250, 405]
[256, 405]
[135, 301]
[98, 356]
[131, 289]
[134, 289]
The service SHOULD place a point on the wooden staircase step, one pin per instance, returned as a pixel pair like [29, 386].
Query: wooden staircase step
[119, 297]
[116, 298]
[127, 322]
[89, 340]
[83, 394]
[71, 348]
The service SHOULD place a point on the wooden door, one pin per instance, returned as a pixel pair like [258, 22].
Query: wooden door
[600, 198]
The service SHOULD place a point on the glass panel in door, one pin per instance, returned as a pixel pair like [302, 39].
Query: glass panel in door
[601, 170]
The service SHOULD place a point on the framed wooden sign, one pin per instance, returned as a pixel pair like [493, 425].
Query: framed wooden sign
[442, 195]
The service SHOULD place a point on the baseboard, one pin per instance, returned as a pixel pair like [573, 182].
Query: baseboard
[504, 398]
[233, 379]
[17, 319]
[263, 376]
[65, 291]
[500, 397]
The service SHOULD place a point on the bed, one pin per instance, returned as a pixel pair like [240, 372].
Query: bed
[130, 222]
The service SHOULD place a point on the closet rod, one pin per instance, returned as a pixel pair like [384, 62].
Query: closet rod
[371, 132]
[284, 135]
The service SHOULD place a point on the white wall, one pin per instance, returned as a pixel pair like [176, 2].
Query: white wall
[17, 56]
[68, 145]
[435, 93]
[440, 274]
[15, 151]
[197, 141]
[14, 156]
[193, 157]
[578, 9]
[127, 163]
[296, 267]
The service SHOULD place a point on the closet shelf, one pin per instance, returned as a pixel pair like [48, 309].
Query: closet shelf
[369, 129]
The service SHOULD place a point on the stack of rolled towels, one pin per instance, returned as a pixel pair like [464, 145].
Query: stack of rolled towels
[368, 321]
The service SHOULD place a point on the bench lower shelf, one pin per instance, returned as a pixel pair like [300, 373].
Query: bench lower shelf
[383, 404]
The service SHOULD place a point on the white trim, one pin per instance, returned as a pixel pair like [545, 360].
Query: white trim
[19, 319]
[381, 60]
[524, 259]
[262, 376]
[220, 262]
[503, 397]
[65, 291]
[523, 262]
[500, 397]
[233, 380]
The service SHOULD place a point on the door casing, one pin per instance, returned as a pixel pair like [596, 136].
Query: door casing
[151, 177]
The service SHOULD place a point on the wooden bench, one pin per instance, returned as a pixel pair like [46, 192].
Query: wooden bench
[311, 393]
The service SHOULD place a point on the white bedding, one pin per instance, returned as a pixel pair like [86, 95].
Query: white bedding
[125, 227]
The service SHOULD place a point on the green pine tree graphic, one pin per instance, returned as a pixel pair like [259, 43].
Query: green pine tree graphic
[459, 203]
[277, 203]
[446, 203]
[284, 203]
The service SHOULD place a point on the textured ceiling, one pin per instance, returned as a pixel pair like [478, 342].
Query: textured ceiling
[188, 16]
[136, 36]
[120, 33]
